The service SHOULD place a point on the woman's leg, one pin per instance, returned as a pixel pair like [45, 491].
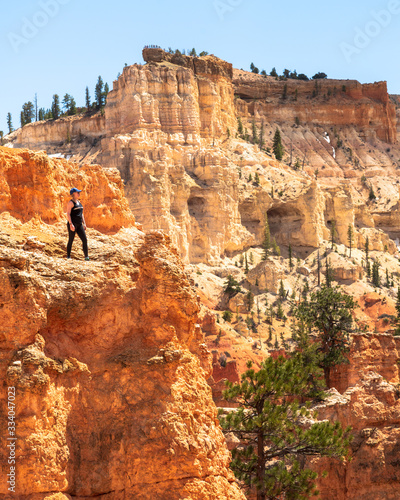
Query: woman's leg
[71, 236]
[82, 235]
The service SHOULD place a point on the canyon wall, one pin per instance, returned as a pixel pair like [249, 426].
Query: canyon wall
[321, 102]
[106, 357]
[170, 127]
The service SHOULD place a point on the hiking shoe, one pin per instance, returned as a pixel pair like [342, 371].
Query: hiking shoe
[87, 258]
[68, 257]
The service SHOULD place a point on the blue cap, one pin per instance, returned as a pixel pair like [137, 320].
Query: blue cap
[74, 190]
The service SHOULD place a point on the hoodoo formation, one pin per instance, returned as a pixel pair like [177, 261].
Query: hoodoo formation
[120, 363]
[108, 361]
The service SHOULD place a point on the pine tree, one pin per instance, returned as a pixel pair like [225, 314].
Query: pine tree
[254, 131]
[333, 233]
[371, 195]
[280, 312]
[249, 300]
[275, 247]
[87, 100]
[319, 269]
[28, 113]
[277, 145]
[282, 291]
[105, 93]
[246, 264]
[350, 237]
[328, 312]
[261, 141]
[397, 322]
[69, 105]
[98, 93]
[328, 273]
[55, 107]
[240, 127]
[232, 287]
[366, 248]
[9, 123]
[269, 460]
[306, 289]
[310, 354]
[253, 68]
[375, 274]
[267, 239]
[41, 114]
[72, 107]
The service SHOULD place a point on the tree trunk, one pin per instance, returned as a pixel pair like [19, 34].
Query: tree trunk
[260, 465]
[327, 373]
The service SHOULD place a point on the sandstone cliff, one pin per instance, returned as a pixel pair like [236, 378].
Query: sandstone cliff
[107, 357]
[170, 128]
[33, 185]
[372, 408]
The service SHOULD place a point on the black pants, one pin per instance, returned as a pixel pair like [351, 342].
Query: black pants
[79, 229]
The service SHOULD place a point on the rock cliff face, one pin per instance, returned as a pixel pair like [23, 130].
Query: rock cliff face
[329, 102]
[371, 352]
[372, 408]
[170, 131]
[107, 357]
[33, 185]
[170, 128]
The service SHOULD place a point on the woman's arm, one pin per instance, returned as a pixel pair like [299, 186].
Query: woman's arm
[69, 208]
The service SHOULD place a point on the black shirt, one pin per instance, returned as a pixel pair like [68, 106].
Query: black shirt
[76, 213]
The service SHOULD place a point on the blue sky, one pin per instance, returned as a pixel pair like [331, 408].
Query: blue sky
[67, 47]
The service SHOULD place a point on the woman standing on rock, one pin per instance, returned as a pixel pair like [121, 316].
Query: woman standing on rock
[76, 222]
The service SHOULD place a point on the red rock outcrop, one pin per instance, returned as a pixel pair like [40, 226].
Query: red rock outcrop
[32, 184]
[372, 408]
[111, 400]
[370, 352]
